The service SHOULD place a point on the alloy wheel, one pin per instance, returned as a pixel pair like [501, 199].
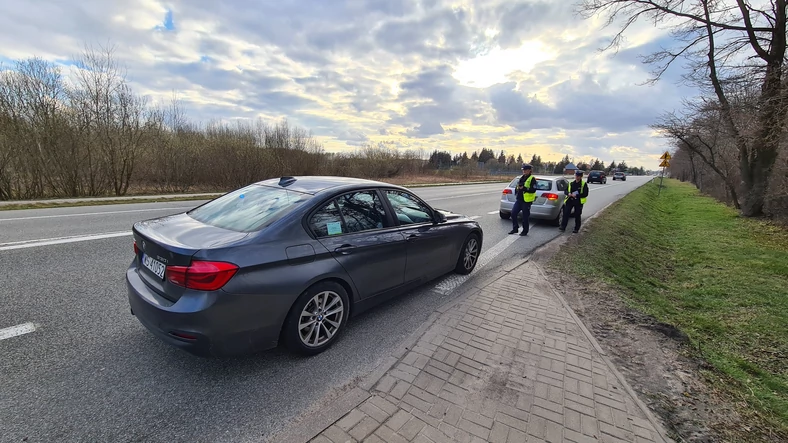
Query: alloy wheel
[321, 318]
[471, 253]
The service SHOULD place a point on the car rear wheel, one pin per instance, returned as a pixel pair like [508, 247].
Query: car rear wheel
[557, 220]
[316, 318]
[469, 255]
[504, 215]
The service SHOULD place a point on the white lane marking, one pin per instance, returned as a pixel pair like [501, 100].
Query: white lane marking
[60, 240]
[94, 213]
[492, 212]
[453, 282]
[458, 196]
[17, 330]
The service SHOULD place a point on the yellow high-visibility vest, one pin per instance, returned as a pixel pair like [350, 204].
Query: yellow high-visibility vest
[529, 197]
[582, 184]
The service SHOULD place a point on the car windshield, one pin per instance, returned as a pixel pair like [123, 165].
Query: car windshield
[248, 209]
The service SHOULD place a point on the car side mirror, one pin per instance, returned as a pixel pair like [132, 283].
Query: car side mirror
[437, 217]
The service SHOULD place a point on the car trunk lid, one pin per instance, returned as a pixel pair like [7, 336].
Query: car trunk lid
[173, 241]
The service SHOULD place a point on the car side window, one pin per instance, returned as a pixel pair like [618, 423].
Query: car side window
[327, 221]
[362, 211]
[408, 209]
[560, 185]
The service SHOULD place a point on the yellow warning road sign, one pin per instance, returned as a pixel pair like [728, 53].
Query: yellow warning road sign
[665, 156]
[665, 164]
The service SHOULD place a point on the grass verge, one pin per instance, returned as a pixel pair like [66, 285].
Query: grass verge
[691, 262]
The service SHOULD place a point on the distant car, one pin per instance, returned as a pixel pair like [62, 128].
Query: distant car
[549, 201]
[289, 260]
[620, 176]
[597, 177]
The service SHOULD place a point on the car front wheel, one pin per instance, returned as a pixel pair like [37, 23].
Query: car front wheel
[317, 318]
[469, 255]
[504, 215]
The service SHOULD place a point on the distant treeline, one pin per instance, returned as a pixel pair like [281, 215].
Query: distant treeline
[91, 135]
[487, 158]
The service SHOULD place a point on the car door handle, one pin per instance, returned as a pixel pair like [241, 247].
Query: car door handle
[344, 249]
[412, 237]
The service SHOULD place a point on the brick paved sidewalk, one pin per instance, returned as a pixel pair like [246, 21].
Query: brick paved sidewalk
[509, 363]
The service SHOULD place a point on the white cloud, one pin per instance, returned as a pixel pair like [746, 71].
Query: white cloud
[521, 75]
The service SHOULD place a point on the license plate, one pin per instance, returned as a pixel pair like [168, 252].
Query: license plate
[154, 265]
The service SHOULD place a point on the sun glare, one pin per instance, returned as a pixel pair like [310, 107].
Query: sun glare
[494, 67]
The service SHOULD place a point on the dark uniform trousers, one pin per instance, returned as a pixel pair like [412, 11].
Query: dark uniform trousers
[520, 205]
[572, 208]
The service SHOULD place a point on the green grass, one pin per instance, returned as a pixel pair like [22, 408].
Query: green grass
[692, 262]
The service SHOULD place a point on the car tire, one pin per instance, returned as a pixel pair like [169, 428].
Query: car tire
[469, 255]
[329, 294]
[557, 221]
[505, 215]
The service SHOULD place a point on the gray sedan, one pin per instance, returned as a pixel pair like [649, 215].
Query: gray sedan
[289, 260]
[549, 201]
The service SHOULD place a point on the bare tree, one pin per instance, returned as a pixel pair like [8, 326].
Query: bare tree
[114, 114]
[728, 43]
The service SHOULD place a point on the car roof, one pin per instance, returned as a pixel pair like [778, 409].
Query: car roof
[551, 178]
[313, 184]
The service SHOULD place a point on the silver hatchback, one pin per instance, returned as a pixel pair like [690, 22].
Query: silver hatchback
[549, 203]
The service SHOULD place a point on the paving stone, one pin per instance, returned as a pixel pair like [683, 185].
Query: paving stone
[337, 435]
[506, 364]
[473, 428]
[365, 427]
[516, 436]
[396, 421]
[389, 435]
[410, 429]
[350, 419]
[499, 433]
[374, 439]
[436, 435]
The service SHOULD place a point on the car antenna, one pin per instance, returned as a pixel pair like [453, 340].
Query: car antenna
[286, 181]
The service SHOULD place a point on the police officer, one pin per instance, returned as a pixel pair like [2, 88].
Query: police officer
[576, 194]
[525, 194]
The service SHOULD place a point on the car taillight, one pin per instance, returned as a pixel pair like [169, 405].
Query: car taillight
[202, 275]
[507, 191]
[550, 196]
[136, 248]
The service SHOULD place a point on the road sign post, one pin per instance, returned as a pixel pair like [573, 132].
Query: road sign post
[665, 163]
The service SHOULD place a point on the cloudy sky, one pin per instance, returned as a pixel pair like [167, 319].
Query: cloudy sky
[523, 76]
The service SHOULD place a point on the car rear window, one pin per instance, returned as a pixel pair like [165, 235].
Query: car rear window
[248, 209]
[541, 184]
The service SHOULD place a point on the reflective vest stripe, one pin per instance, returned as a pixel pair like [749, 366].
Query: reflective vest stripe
[529, 197]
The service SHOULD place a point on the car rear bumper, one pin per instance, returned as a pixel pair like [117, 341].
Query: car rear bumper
[219, 324]
[540, 212]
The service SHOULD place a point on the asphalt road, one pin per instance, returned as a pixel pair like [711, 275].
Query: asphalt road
[91, 372]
